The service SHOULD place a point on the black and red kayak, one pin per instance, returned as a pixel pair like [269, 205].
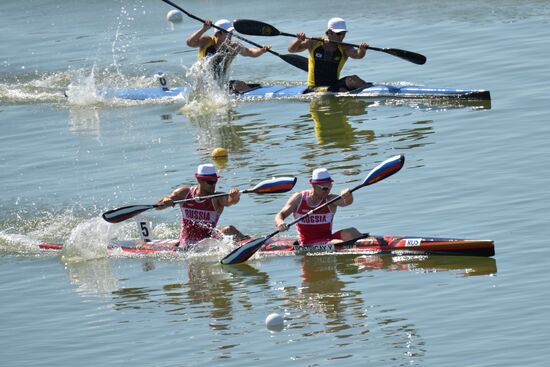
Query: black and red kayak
[371, 244]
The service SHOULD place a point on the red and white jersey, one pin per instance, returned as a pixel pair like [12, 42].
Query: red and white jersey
[317, 227]
[198, 218]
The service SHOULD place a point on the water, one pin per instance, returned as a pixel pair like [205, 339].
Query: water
[469, 173]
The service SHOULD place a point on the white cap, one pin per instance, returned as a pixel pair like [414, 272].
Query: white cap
[337, 25]
[320, 175]
[206, 171]
[225, 24]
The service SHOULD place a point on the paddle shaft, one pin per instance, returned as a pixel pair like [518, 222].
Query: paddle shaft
[219, 195]
[404, 54]
[257, 28]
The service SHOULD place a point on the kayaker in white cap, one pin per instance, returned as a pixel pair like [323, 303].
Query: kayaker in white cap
[317, 227]
[223, 50]
[327, 59]
[199, 218]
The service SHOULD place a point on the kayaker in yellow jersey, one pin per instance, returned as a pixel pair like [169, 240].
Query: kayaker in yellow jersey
[327, 59]
[223, 50]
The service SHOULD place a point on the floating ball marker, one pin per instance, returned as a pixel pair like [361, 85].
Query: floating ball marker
[219, 153]
[275, 322]
[174, 16]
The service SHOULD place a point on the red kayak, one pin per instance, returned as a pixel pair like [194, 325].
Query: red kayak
[369, 245]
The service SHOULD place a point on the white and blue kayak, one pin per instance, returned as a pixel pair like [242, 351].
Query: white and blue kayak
[386, 91]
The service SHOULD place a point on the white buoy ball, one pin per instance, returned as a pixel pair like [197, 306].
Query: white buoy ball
[174, 16]
[274, 321]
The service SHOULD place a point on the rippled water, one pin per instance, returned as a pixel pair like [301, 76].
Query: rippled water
[472, 171]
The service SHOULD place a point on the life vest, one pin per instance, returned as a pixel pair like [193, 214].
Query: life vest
[198, 218]
[317, 227]
[324, 66]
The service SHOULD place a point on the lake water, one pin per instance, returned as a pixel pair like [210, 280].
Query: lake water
[470, 172]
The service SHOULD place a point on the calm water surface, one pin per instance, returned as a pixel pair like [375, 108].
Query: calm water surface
[472, 171]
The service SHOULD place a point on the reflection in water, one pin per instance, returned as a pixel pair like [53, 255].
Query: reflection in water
[342, 140]
[441, 104]
[327, 300]
[323, 299]
[84, 121]
[210, 292]
[462, 265]
[216, 130]
[92, 276]
[330, 120]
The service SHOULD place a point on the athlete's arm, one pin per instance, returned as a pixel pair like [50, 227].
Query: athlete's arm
[168, 201]
[233, 198]
[196, 39]
[289, 208]
[346, 198]
[301, 43]
[253, 52]
[357, 53]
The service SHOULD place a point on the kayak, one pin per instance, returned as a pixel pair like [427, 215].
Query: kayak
[369, 245]
[289, 91]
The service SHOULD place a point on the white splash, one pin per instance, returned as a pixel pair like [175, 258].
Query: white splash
[82, 90]
[89, 240]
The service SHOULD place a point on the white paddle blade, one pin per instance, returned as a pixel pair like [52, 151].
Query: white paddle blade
[384, 170]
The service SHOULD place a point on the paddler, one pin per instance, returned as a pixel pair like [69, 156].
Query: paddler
[223, 50]
[317, 228]
[200, 217]
[327, 59]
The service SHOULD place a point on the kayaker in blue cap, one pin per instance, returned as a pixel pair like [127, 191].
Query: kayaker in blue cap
[223, 50]
[317, 228]
[327, 59]
[200, 217]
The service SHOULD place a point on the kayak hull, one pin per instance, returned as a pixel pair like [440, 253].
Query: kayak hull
[371, 244]
[285, 91]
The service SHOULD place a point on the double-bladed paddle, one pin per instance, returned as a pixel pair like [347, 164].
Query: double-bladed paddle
[295, 60]
[257, 28]
[383, 170]
[272, 186]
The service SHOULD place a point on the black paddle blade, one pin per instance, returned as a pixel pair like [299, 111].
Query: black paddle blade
[126, 212]
[296, 60]
[255, 28]
[407, 55]
[244, 252]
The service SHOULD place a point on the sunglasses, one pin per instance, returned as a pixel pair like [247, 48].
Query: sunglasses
[212, 182]
[324, 187]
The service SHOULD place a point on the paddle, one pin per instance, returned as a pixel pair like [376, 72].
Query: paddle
[256, 28]
[272, 186]
[295, 60]
[383, 170]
